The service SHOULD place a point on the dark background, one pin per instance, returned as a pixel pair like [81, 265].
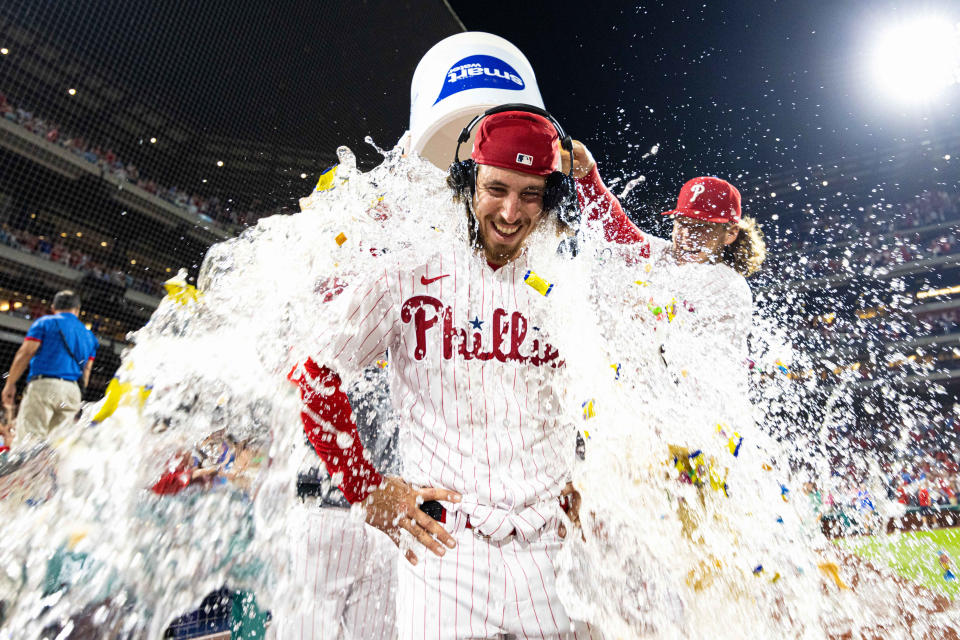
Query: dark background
[742, 90]
[777, 97]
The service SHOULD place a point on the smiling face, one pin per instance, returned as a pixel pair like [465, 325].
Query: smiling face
[508, 206]
[699, 241]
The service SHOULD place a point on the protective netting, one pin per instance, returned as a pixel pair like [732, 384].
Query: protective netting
[697, 513]
[134, 136]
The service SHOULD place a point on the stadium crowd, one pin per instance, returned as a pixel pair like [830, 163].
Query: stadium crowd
[209, 209]
[56, 251]
[921, 464]
[907, 234]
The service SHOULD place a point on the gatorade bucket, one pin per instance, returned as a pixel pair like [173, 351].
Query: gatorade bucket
[458, 78]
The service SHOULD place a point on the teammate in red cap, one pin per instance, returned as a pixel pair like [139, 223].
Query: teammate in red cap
[486, 451]
[708, 225]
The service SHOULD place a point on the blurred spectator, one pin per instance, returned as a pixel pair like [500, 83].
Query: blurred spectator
[58, 351]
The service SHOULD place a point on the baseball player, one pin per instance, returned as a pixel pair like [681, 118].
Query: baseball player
[708, 225]
[685, 346]
[709, 230]
[486, 449]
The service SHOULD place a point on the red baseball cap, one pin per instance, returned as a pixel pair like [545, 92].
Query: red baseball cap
[518, 140]
[709, 199]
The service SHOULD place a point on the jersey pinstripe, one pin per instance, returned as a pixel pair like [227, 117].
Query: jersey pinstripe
[474, 380]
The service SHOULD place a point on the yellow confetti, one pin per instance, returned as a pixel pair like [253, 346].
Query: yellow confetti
[832, 570]
[326, 179]
[179, 291]
[671, 310]
[588, 409]
[540, 285]
[142, 394]
[116, 394]
[111, 399]
[340, 239]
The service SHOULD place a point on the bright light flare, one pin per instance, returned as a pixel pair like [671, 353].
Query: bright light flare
[915, 61]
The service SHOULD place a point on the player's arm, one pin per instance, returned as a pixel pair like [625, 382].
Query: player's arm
[330, 427]
[597, 201]
[20, 363]
[390, 503]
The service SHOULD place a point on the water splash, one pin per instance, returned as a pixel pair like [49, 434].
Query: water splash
[693, 520]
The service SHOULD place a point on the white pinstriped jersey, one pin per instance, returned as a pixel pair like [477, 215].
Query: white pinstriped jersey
[474, 379]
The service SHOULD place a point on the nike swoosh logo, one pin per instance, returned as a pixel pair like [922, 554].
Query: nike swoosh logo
[425, 281]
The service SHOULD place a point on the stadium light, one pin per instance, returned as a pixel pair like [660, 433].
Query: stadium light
[72, 91]
[219, 163]
[914, 61]
[303, 175]
[4, 51]
[153, 141]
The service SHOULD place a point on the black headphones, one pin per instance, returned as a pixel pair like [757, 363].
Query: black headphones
[560, 191]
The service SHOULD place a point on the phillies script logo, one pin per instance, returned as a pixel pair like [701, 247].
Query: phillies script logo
[426, 312]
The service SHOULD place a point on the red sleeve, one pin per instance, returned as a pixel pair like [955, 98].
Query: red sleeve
[328, 422]
[599, 204]
[172, 482]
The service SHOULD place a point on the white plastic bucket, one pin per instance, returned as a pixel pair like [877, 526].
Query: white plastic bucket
[458, 78]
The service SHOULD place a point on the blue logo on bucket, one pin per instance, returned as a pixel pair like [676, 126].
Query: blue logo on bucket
[480, 72]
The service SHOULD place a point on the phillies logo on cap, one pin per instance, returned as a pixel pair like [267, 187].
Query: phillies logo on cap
[708, 198]
[523, 158]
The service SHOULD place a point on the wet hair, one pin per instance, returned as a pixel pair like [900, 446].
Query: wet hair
[464, 194]
[65, 300]
[748, 251]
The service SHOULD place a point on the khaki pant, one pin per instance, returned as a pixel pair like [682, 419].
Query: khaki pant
[47, 403]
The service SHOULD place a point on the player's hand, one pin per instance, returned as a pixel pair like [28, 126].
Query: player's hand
[583, 162]
[396, 505]
[573, 498]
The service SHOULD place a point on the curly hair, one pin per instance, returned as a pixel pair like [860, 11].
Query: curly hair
[748, 251]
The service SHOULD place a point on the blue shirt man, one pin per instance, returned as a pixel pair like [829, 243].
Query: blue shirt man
[59, 352]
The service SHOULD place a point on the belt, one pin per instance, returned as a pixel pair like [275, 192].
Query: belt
[436, 511]
[43, 377]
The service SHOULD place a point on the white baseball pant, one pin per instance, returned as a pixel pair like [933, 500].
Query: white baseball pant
[485, 589]
[347, 574]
